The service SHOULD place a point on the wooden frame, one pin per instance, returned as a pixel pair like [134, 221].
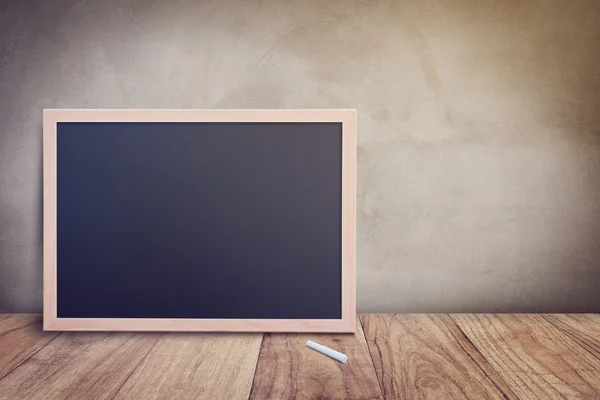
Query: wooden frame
[348, 321]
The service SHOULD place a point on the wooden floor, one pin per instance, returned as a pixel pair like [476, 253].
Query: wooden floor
[392, 356]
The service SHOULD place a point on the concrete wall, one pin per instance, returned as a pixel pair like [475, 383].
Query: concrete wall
[479, 126]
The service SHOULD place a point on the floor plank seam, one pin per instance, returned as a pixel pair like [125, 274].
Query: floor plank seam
[498, 373]
[27, 359]
[567, 334]
[262, 341]
[362, 326]
[498, 388]
[133, 370]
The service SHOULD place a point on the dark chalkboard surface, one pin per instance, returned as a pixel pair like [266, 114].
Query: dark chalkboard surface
[199, 220]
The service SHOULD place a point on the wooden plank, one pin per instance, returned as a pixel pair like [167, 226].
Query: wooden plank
[288, 369]
[21, 336]
[196, 366]
[534, 357]
[78, 365]
[428, 356]
[582, 328]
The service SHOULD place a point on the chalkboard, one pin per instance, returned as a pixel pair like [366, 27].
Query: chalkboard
[200, 220]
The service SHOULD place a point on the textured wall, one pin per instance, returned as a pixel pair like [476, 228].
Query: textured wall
[479, 127]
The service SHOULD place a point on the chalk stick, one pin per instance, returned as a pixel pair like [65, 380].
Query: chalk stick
[336, 355]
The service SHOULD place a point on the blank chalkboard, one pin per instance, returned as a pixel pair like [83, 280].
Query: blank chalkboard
[199, 220]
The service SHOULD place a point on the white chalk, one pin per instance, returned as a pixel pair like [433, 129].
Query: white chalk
[336, 355]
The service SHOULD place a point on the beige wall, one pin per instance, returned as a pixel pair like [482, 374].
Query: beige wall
[479, 126]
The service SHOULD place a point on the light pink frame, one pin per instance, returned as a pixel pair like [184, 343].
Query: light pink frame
[348, 321]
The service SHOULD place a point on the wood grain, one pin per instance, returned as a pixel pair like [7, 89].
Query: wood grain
[78, 366]
[196, 366]
[414, 356]
[21, 336]
[582, 328]
[534, 357]
[428, 356]
[288, 369]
